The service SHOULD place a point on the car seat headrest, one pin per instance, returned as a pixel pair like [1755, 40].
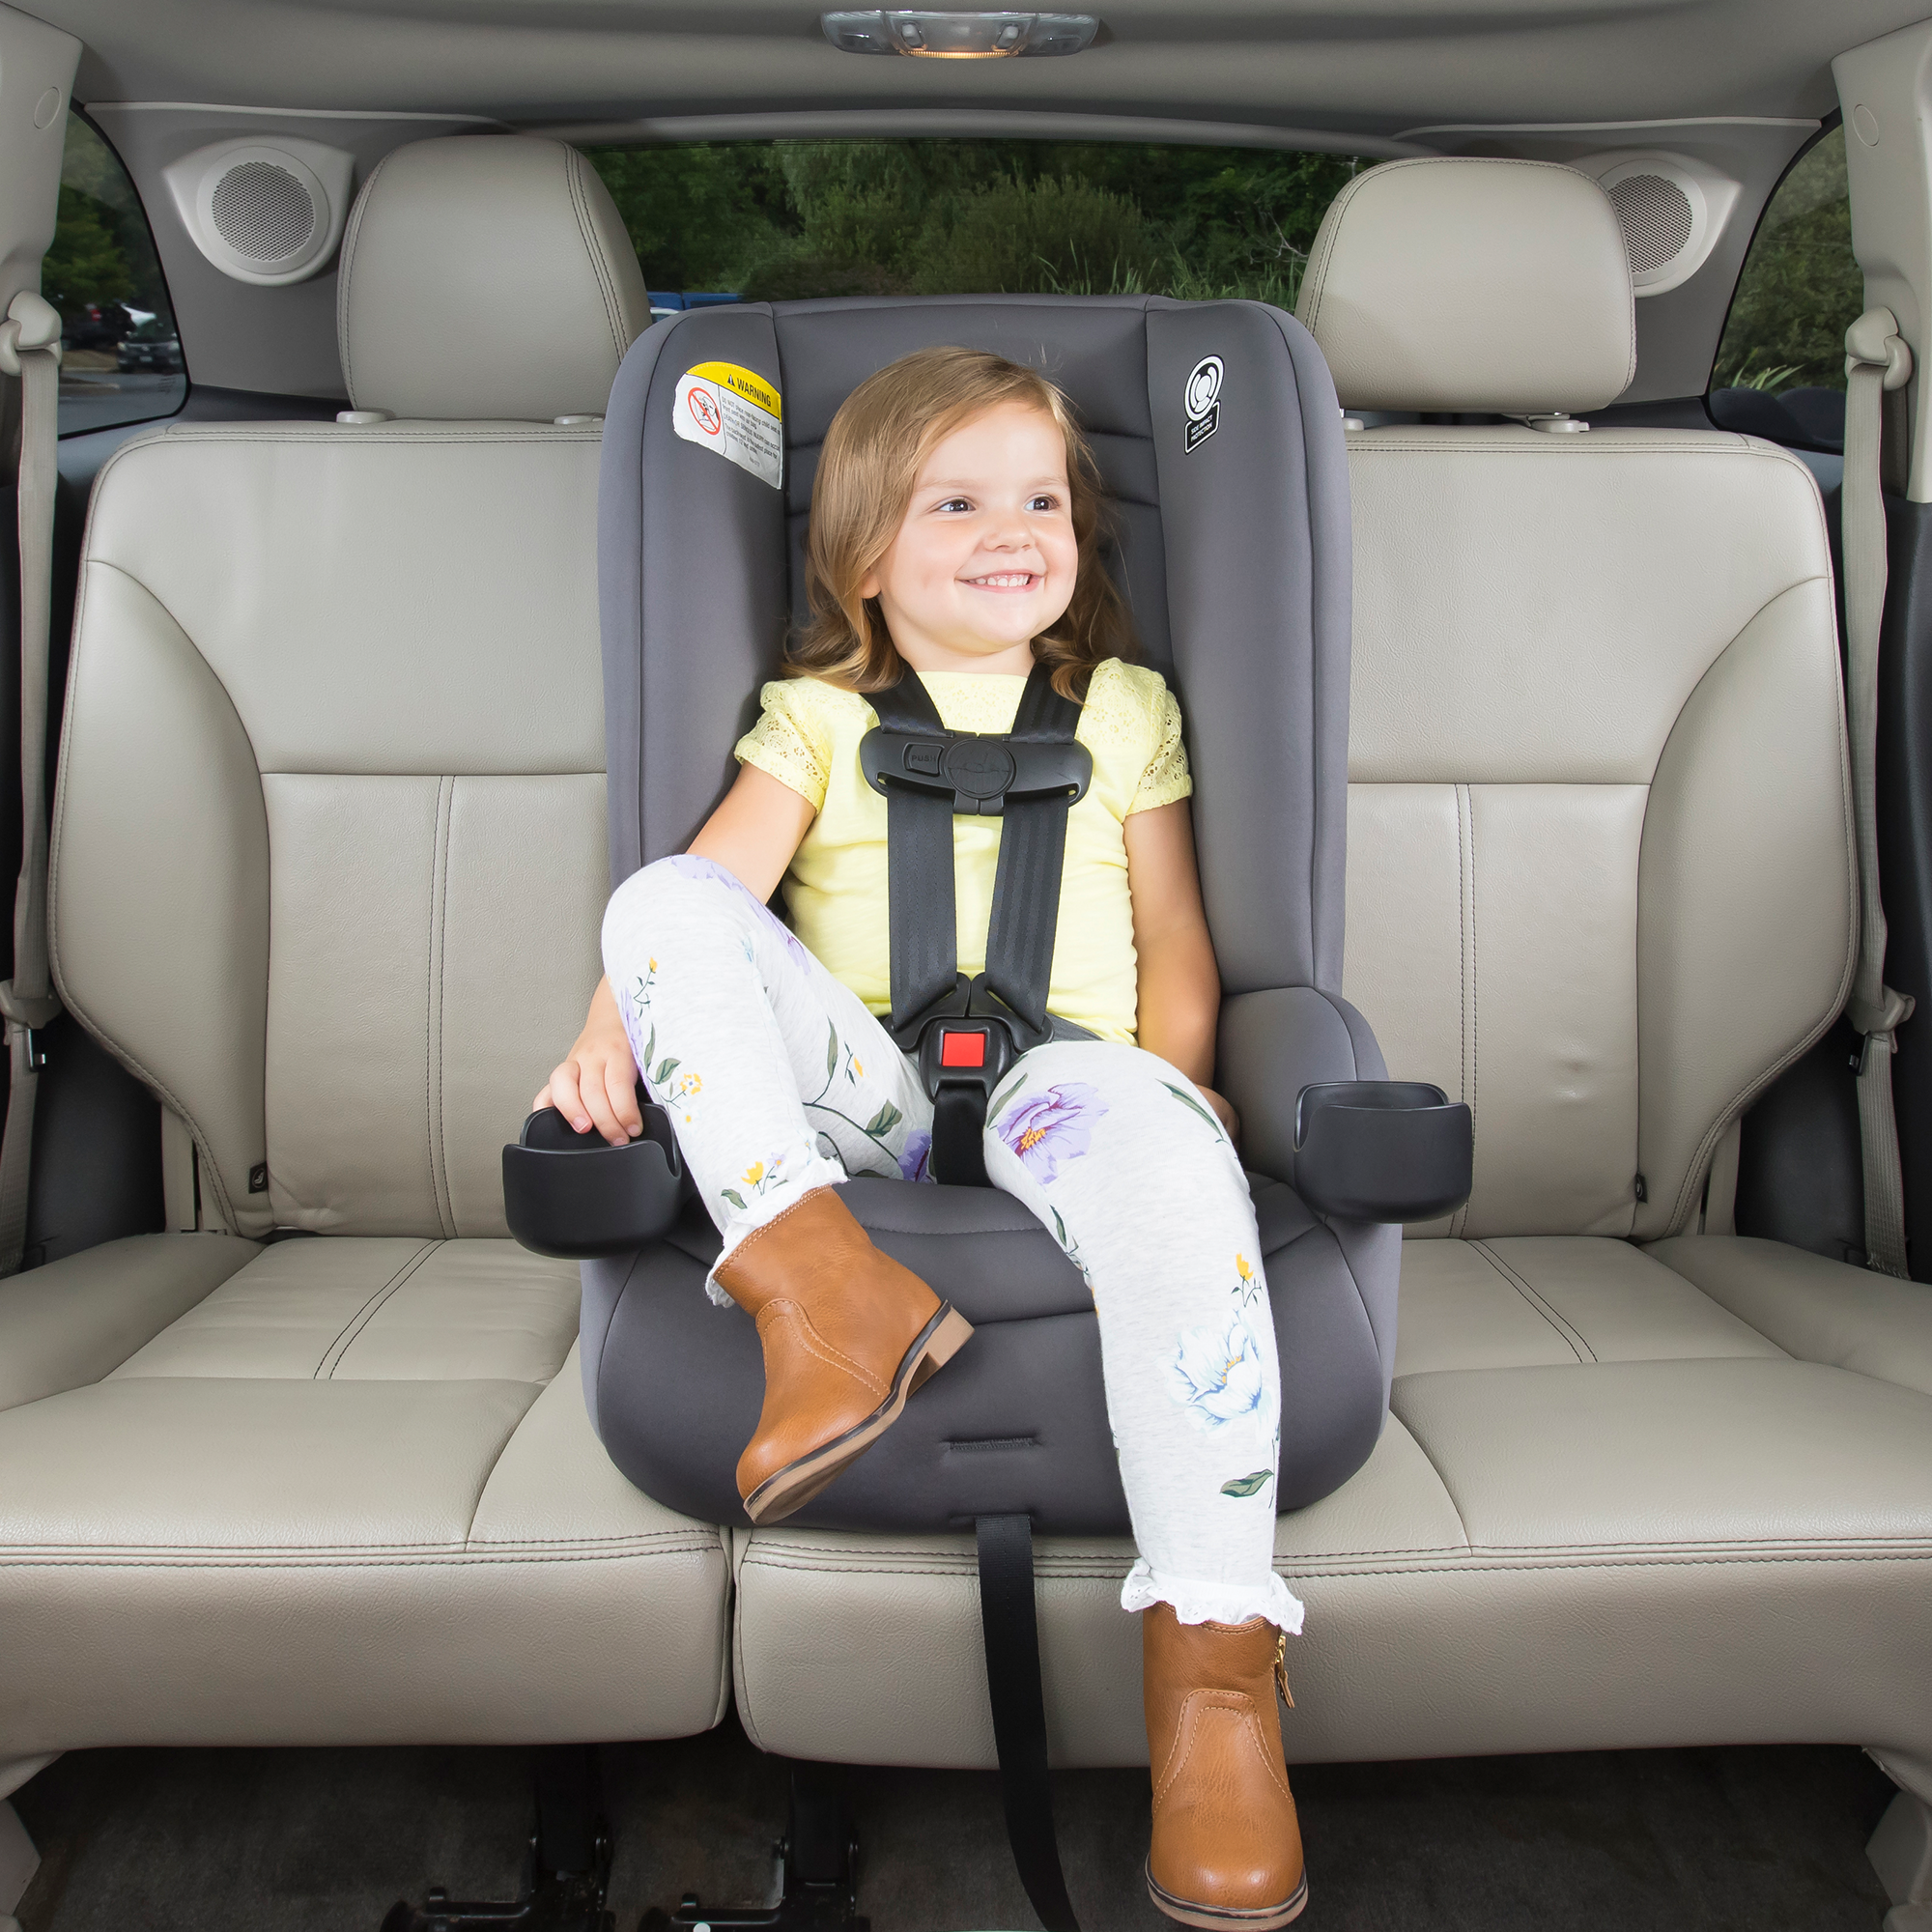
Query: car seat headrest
[1451, 283]
[486, 275]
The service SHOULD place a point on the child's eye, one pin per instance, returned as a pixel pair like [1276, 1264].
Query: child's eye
[955, 503]
[1043, 502]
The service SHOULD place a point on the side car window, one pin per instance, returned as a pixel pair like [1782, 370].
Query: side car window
[1780, 368]
[121, 358]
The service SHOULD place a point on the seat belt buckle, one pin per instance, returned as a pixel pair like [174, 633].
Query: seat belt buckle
[962, 1051]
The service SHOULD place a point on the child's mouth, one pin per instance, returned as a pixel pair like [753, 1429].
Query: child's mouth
[1005, 580]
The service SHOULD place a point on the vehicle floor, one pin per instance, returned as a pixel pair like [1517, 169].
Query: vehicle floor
[302, 1840]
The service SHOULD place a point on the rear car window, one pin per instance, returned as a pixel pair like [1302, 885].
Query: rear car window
[121, 357]
[1780, 367]
[778, 220]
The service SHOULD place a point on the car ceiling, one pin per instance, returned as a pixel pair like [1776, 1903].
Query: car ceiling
[1384, 69]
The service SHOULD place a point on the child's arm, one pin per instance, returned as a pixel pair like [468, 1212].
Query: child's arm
[753, 834]
[1180, 985]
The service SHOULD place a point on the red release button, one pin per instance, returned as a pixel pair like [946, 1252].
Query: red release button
[962, 1049]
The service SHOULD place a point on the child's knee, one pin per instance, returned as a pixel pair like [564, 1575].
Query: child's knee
[659, 899]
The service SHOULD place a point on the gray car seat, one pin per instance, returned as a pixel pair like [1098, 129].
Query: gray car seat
[1212, 423]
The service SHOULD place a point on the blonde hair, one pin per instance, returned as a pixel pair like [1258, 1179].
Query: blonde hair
[878, 444]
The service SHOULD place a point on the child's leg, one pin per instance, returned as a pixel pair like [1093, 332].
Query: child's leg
[779, 1084]
[1129, 1171]
[1123, 1162]
[775, 1077]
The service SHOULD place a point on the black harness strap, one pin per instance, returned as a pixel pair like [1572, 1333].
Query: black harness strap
[1031, 775]
[1033, 847]
[1011, 1633]
[919, 876]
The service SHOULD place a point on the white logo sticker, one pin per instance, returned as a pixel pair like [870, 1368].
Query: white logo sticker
[735, 411]
[1203, 400]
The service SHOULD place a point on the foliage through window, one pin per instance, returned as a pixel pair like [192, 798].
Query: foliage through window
[1780, 367]
[121, 358]
[778, 220]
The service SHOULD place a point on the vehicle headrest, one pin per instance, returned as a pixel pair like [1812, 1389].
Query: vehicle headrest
[1452, 283]
[486, 275]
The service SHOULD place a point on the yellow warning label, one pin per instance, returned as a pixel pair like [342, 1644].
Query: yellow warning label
[737, 413]
[753, 387]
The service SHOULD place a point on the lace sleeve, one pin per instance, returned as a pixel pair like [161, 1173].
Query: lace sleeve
[791, 741]
[1166, 777]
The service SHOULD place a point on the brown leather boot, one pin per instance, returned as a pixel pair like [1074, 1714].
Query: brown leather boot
[1227, 1849]
[848, 1334]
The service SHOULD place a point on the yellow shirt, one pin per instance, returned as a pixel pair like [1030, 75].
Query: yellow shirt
[807, 738]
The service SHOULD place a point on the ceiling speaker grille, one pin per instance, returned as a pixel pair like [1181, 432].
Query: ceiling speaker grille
[1656, 219]
[262, 212]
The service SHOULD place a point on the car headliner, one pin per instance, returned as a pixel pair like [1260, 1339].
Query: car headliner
[1376, 68]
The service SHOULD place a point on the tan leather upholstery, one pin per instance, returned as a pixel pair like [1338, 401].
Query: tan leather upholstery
[1601, 888]
[328, 858]
[417, 735]
[1452, 284]
[1600, 844]
[486, 275]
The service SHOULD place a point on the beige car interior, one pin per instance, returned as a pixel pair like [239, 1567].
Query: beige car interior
[340, 1484]
[313, 1467]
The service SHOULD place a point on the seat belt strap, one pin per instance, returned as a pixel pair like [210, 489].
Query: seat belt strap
[30, 349]
[1011, 1628]
[918, 869]
[1876, 361]
[1032, 849]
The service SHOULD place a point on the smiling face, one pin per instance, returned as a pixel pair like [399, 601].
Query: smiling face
[986, 559]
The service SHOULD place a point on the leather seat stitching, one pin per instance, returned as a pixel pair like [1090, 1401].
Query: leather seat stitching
[332, 1356]
[1482, 1560]
[1579, 1347]
[435, 969]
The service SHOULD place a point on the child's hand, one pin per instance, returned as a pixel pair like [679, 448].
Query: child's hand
[1223, 1113]
[596, 1082]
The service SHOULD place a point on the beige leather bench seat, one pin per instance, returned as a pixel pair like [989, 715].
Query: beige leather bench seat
[347, 1493]
[1607, 1511]
[329, 859]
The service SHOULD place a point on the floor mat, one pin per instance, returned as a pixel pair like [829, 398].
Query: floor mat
[325, 1840]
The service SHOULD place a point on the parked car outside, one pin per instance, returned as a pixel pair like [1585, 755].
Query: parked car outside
[152, 345]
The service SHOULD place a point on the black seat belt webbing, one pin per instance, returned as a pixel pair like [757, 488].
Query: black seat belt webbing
[1033, 847]
[1011, 1628]
[919, 844]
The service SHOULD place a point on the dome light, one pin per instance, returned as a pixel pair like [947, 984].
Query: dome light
[929, 36]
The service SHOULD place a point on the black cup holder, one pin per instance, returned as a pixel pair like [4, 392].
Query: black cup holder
[577, 1197]
[1382, 1150]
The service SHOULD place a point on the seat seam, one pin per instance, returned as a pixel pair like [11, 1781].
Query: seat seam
[1480, 1559]
[1579, 1347]
[332, 1355]
[451, 1556]
[439, 909]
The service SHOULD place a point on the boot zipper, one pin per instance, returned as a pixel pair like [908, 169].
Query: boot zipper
[1281, 1668]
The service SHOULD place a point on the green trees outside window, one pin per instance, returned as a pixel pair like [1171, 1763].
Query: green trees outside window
[102, 274]
[777, 220]
[1801, 288]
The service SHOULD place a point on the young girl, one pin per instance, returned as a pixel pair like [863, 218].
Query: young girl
[956, 526]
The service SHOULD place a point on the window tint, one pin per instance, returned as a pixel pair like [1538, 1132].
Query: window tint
[1780, 368]
[778, 220]
[121, 360]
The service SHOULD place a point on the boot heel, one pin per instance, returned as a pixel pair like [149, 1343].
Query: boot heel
[952, 1335]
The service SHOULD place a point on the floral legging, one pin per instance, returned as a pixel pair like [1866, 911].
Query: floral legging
[779, 1080]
